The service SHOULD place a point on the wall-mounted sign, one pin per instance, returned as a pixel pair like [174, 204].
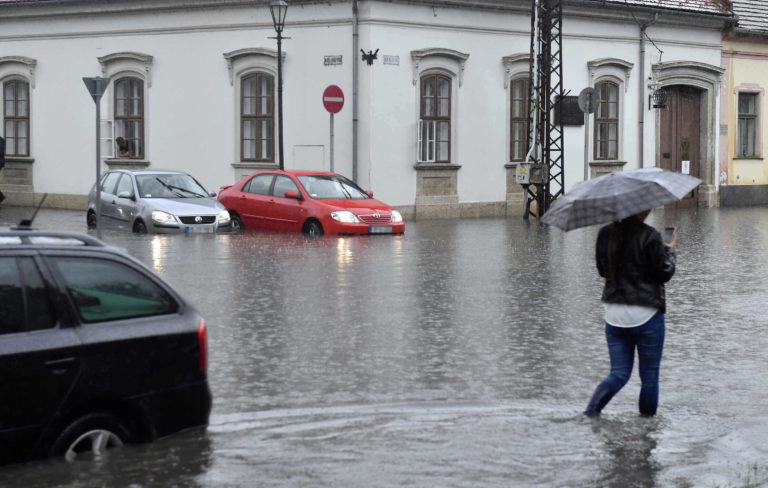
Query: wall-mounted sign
[332, 60]
[568, 109]
[393, 60]
[686, 167]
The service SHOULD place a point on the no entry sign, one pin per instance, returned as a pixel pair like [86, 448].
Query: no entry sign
[333, 99]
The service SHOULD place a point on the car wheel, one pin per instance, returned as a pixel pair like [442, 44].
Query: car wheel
[313, 229]
[140, 227]
[90, 437]
[237, 224]
[91, 219]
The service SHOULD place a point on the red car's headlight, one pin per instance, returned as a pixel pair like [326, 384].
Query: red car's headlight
[344, 216]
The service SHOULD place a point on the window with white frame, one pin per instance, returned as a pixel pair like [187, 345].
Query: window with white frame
[124, 133]
[435, 119]
[253, 74]
[747, 126]
[606, 132]
[438, 74]
[519, 119]
[610, 77]
[257, 117]
[16, 114]
[129, 117]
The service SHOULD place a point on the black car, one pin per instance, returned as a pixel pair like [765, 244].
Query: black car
[96, 350]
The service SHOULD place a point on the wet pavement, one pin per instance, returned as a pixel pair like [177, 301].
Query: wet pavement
[457, 355]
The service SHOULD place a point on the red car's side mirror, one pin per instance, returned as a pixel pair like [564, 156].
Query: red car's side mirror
[370, 193]
[292, 194]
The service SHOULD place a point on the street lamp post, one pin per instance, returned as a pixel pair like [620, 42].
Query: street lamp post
[278, 9]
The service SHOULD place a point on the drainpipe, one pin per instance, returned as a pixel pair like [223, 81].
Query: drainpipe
[355, 83]
[641, 91]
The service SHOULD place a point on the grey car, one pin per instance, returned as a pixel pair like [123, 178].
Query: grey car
[157, 201]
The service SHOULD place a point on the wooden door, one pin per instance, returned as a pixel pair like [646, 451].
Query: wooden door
[680, 140]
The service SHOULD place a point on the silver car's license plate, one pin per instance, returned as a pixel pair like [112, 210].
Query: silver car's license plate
[198, 230]
[380, 229]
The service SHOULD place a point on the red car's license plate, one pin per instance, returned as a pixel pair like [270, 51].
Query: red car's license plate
[380, 229]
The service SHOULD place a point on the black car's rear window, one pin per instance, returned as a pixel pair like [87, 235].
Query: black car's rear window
[24, 301]
[105, 290]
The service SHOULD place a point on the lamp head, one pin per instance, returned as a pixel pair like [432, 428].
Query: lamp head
[278, 9]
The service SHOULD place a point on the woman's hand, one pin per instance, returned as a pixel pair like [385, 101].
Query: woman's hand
[673, 242]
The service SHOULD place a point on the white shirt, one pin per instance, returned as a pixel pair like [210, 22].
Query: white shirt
[621, 315]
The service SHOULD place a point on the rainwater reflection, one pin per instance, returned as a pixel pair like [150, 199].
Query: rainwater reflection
[459, 354]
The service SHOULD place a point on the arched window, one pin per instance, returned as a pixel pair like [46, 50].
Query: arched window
[435, 121]
[519, 123]
[607, 121]
[129, 114]
[257, 117]
[16, 117]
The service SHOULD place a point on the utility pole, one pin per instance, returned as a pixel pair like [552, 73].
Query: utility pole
[542, 173]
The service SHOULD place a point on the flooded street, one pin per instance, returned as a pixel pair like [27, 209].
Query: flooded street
[457, 355]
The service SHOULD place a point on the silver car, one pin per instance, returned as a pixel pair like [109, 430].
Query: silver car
[156, 201]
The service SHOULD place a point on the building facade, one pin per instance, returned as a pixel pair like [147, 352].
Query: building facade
[435, 94]
[743, 128]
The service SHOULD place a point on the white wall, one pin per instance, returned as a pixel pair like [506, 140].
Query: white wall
[191, 106]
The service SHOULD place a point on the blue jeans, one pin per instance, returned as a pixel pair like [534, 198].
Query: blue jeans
[648, 339]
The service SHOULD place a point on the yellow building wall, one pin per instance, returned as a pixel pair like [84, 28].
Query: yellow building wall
[747, 70]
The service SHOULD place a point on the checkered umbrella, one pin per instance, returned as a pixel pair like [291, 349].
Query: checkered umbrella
[616, 196]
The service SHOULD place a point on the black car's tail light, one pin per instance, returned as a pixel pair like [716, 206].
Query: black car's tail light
[202, 339]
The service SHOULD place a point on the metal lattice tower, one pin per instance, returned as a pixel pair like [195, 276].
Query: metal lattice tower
[545, 159]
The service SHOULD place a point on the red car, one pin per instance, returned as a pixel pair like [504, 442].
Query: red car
[313, 202]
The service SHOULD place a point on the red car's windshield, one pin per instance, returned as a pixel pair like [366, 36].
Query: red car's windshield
[330, 187]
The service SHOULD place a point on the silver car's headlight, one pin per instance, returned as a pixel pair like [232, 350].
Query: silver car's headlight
[396, 217]
[163, 218]
[344, 216]
[223, 216]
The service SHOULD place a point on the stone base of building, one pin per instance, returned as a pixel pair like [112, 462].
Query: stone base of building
[708, 196]
[16, 198]
[743, 195]
[466, 210]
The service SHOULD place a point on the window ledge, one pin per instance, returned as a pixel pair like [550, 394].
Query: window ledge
[436, 167]
[126, 163]
[608, 162]
[748, 158]
[255, 165]
[19, 159]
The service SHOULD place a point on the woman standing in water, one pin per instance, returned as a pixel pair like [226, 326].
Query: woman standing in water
[635, 264]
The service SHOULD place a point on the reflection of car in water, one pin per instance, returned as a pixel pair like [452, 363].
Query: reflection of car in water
[156, 201]
[96, 350]
[313, 202]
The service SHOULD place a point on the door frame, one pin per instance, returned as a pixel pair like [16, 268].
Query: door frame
[706, 77]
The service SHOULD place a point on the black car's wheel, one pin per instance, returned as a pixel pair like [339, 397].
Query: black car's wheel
[91, 219]
[237, 224]
[313, 229]
[140, 227]
[90, 437]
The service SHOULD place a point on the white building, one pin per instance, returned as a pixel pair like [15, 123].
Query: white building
[189, 80]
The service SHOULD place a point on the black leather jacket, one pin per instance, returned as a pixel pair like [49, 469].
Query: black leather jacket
[644, 264]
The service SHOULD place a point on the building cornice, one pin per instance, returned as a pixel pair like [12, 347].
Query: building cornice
[572, 7]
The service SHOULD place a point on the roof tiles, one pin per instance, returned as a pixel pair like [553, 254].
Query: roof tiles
[715, 7]
[753, 15]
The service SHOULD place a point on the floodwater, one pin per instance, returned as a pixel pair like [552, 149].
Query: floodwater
[458, 355]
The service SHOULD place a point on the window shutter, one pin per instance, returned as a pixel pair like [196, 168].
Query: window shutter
[107, 139]
[420, 145]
